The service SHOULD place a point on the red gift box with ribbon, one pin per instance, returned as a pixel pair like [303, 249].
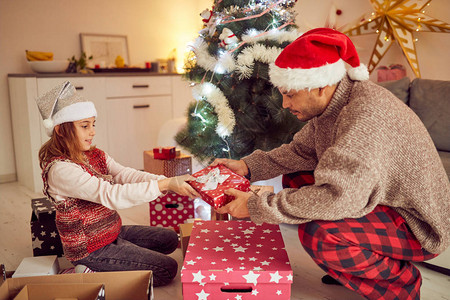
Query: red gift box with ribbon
[164, 153]
[211, 183]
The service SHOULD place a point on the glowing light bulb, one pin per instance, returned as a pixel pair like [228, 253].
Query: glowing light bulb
[207, 88]
[219, 69]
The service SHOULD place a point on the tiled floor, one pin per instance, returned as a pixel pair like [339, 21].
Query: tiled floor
[15, 244]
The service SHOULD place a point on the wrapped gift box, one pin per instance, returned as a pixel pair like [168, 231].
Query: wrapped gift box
[171, 210]
[164, 153]
[236, 260]
[180, 165]
[211, 183]
[44, 235]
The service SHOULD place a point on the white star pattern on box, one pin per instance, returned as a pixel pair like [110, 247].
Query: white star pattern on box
[251, 277]
[275, 277]
[202, 295]
[213, 262]
[37, 243]
[240, 249]
[198, 277]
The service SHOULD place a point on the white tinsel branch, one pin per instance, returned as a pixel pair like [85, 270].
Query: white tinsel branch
[226, 62]
[253, 35]
[209, 92]
[246, 59]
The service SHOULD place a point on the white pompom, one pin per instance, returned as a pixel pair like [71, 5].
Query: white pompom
[48, 123]
[359, 73]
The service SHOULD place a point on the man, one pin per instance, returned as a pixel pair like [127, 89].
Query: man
[381, 197]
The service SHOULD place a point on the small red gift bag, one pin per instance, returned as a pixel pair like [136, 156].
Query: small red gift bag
[211, 183]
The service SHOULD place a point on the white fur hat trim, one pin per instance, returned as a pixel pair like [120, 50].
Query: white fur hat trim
[71, 113]
[300, 79]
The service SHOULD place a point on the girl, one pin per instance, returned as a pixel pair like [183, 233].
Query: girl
[87, 187]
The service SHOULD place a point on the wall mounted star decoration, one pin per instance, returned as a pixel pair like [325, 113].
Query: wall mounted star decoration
[396, 20]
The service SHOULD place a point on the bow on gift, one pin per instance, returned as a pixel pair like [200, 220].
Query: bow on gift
[212, 179]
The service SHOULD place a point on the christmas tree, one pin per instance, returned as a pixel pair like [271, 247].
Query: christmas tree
[237, 109]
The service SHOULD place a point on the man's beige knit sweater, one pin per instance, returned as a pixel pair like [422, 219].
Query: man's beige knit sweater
[367, 149]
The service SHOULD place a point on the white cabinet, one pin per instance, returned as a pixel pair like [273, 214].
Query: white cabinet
[137, 107]
[130, 112]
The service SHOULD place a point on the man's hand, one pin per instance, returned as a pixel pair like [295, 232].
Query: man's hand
[238, 207]
[179, 185]
[237, 166]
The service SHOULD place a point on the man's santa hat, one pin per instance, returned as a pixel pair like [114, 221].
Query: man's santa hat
[316, 59]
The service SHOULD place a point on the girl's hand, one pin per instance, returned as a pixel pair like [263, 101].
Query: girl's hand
[237, 166]
[179, 185]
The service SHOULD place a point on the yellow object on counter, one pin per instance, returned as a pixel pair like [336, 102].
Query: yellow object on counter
[120, 62]
[38, 55]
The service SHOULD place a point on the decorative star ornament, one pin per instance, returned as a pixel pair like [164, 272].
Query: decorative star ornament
[396, 20]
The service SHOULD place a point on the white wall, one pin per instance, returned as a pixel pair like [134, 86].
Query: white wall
[432, 48]
[154, 28]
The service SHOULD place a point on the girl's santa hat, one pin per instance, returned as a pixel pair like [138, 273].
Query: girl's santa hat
[63, 104]
[316, 59]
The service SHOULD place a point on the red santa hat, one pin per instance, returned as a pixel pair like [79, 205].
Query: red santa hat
[316, 59]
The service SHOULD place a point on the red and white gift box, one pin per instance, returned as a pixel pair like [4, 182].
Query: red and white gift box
[236, 260]
[171, 210]
[211, 183]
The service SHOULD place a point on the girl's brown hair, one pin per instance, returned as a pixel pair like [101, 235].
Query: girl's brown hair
[62, 143]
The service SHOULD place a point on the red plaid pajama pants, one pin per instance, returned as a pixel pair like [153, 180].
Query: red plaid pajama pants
[371, 255]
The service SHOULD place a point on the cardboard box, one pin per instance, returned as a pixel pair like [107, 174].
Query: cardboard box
[37, 266]
[211, 182]
[236, 260]
[85, 291]
[171, 210]
[185, 234]
[44, 235]
[180, 165]
[136, 285]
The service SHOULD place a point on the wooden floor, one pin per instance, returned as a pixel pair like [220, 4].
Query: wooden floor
[15, 244]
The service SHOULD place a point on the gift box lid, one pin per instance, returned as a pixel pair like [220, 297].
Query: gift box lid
[236, 252]
[43, 209]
